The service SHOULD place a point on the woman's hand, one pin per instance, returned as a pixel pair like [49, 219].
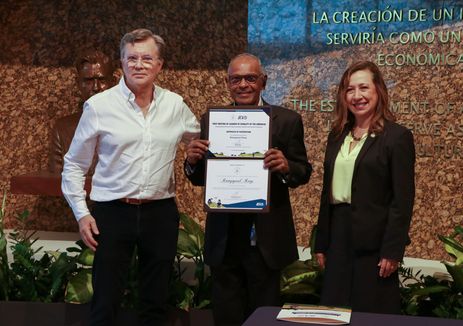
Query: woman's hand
[387, 267]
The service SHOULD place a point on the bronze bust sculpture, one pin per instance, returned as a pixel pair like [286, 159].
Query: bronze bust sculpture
[94, 74]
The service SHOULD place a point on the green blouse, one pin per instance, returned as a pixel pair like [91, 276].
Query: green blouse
[344, 169]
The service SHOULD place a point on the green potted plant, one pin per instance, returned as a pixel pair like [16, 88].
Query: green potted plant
[191, 246]
[427, 295]
[43, 288]
[32, 286]
[301, 281]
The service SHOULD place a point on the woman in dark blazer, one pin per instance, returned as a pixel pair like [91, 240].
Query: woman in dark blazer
[367, 197]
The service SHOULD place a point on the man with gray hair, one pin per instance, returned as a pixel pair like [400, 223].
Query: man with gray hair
[135, 128]
[247, 251]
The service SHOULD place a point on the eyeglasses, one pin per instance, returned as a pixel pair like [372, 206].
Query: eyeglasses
[249, 79]
[146, 61]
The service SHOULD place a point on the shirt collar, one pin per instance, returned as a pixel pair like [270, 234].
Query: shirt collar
[261, 102]
[129, 95]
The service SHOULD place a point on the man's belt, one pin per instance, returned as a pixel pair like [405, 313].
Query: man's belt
[136, 201]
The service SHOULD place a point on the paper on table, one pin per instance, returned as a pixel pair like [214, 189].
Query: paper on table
[310, 314]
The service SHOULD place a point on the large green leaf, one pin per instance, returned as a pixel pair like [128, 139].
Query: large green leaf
[189, 224]
[426, 291]
[192, 228]
[73, 249]
[23, 257]
[411, 308]
[457, 274]
[459, 230]
[54, 253]
[183, 294]
[203, 304]
[86, 257]
[186, 245]
[299, 289]
[455, 253]
[61, 266]
[79, 288]
[310, 275]
[451, 242]
[297, 268]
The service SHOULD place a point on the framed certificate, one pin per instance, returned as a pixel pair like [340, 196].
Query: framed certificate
[239, 131]
[236, 180]
[236, 185]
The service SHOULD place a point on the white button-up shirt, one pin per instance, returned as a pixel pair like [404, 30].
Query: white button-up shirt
[135, 153]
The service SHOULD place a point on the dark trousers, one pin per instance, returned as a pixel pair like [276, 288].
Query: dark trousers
[152, 229]
[242, 284]
[352, 278]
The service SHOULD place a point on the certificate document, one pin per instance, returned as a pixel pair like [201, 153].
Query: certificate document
[320, 315]
[240, 185]
[239, 132]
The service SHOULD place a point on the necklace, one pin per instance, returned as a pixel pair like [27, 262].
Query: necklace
[358, 138]
[355, 138]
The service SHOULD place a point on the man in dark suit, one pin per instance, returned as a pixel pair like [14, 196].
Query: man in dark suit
[245, 273]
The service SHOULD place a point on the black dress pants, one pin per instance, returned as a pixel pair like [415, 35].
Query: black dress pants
[351, 277]
[151, 228]
[243, 281]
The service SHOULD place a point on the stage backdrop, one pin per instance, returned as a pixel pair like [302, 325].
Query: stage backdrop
[39, 42]
[307, 45]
